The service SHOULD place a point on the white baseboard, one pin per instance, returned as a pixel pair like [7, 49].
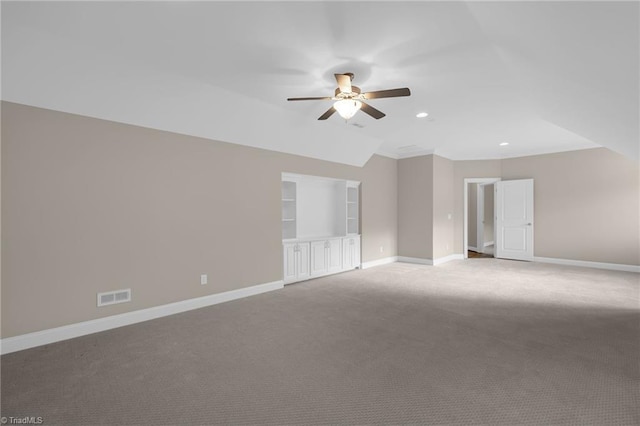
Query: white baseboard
[38, 338]
[379, 262]
[438, 261]
[417, 260]
[441, 260]
[490, 243]
[588, 264]
[472, 248]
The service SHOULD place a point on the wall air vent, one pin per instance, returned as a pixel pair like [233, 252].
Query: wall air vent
[113, 297]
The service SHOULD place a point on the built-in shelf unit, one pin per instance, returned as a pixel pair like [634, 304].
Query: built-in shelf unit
[320, 226]
[352, 209]
[288, 210]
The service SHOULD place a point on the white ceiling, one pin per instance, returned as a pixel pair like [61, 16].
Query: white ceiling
[543, 76]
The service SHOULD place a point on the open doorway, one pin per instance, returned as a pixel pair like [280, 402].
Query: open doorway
[479, 217]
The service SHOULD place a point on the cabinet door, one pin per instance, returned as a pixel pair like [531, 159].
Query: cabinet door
[356, 253]
[303, 261]
[318, 257]
[290, 260]
[351, 249]
[347, 259]
[334, 255]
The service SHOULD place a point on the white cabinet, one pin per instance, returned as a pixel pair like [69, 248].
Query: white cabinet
[296, 262]
[316, 258]
[320, 226]
[351, 252]
[326, 256]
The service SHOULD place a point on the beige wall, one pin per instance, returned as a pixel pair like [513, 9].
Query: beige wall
[443, 206]
[415, 207]
[91, 206]
[379, 208]
[586, 204]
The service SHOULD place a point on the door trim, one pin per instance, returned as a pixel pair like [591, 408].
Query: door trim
[480, 218]
[465, 232]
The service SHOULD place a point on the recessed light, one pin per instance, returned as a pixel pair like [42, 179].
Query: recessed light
[421, 114]
[504, 144]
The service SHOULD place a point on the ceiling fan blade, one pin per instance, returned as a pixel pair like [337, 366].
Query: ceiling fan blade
[327, 114]
[391, 93]
[310, 99]
[344, 82]
[375, 113]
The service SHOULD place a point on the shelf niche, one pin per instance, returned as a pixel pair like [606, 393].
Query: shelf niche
[318, 207]
[288, 210]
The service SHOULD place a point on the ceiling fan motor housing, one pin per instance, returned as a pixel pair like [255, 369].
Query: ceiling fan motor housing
[355, 91]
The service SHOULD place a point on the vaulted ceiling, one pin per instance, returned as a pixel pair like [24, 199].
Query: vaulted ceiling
[542, 76]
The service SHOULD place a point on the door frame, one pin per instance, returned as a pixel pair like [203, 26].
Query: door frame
[465, 232]
[480, 217]
[481, 238]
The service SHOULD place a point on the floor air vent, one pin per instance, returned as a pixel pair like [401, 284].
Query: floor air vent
[113, 297]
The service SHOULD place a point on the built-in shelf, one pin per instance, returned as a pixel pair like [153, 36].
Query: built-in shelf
[320, 226]
[352, 208]
[314, 205]
[289, 213]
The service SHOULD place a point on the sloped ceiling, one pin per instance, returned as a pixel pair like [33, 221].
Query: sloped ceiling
[543, 76]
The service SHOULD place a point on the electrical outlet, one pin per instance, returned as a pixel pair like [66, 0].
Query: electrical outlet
[381, 249]
[203, 279]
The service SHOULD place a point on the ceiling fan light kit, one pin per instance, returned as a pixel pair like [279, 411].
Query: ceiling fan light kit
[347, 108]
[349, 99]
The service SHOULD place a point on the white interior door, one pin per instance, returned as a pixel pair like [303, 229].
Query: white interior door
[514, 219]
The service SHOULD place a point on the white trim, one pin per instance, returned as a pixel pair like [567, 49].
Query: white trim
[387, 154]
[480, 218]
[402, 155]
[379, 262]
[490, 243]
[38, 338]
[588, 264]
[472, 249]
[441, 260]
[417, 153]
[417, 260]
[296, 177]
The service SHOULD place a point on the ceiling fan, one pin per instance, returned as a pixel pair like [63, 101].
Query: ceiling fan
[349, 99]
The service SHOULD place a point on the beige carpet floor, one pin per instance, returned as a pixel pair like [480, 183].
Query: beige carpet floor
[482, 341]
